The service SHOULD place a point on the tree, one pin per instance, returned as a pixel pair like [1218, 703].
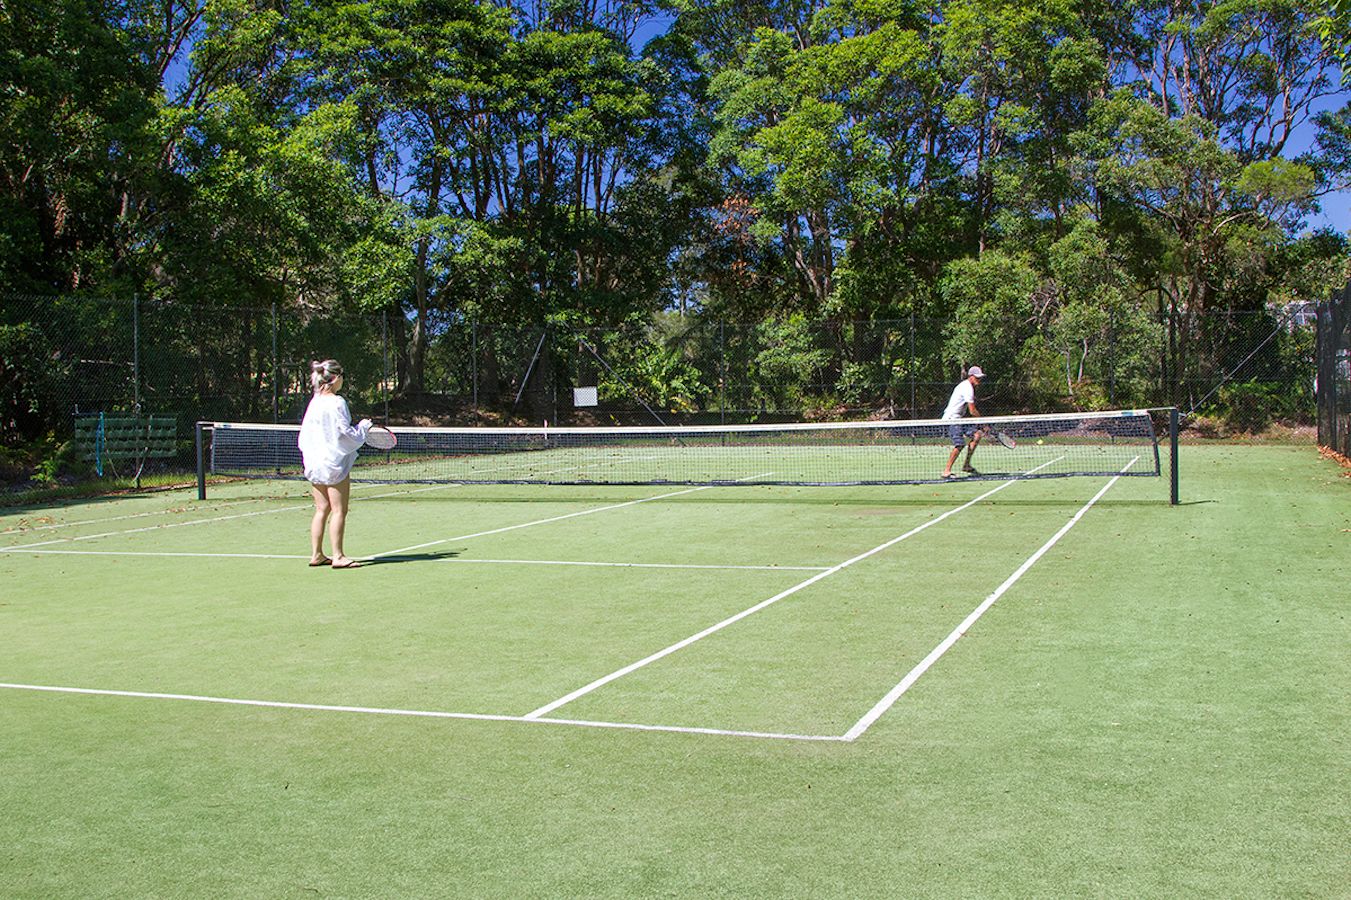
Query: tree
[1193, 143]
[1335, 30]
[1106, 340]
[75, 112]
[993, 315]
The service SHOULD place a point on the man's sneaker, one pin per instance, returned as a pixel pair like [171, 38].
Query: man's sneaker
[970, 469]
[948, 476]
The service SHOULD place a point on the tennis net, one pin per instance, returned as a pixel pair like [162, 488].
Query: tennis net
[843, 453]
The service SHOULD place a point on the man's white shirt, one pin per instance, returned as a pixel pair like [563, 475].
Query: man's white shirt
[963, 394]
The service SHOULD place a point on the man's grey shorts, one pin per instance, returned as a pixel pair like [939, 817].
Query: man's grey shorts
[961, 434]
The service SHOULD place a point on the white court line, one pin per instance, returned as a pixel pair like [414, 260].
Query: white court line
[538, 718]
[92, 537]
[355, 486]
[507, 562]
[206, 521]
[571, 515]
[634, 565]
[142, 515]
[163, 553]
[895, 693]
[420, 713]
[164, 512]
[679, 645]
[89, 537]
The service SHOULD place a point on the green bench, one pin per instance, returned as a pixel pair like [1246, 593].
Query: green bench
[117, 437]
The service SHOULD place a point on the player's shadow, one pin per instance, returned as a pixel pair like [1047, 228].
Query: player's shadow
[411, 557]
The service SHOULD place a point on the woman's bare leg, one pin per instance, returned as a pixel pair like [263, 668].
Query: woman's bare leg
[318, 523]
[339, 496]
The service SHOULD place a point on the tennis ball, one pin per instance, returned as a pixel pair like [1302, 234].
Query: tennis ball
[1040, 441]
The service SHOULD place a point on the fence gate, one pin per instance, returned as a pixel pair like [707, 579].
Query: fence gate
[1334, 372]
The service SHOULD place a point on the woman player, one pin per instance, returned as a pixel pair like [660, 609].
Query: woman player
[328, 445]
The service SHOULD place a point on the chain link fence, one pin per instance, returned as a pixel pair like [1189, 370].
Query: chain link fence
[65, 357]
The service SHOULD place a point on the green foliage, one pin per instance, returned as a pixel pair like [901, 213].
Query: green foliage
[991, 299]
[27, 381]
[54, 459]
[1334, 29]
[1249, 407]
[659, 376]
[787, 366]
[869, 383]
[44, 462]
[76, 102]
[1107, 342]
[1006, 166]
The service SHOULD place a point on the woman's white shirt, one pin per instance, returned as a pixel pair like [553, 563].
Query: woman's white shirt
[328, 439]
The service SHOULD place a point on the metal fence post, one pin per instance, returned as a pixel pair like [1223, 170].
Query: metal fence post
[276, 399]
[913, 413]
[722, 373]
[1111, 358]
[136, 354]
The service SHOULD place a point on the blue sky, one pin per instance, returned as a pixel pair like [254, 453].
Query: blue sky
[1336, 208]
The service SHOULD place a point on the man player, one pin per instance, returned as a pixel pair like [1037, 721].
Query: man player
[961, 403]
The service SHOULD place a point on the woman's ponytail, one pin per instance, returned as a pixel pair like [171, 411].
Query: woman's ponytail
[323, 374]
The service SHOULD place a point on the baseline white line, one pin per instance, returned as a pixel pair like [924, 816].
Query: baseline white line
[679, 645]
[571, 515]
[418, 713]
[164, 553]
[91, 537]
[895, 693]
[435, 487]
[142, 515]
[207, 521]
[510, 562]
[224, 504]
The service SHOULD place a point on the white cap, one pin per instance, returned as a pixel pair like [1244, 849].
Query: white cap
[976, 371]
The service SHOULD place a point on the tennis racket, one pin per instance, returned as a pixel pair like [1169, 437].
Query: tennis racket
[1004, 439]
[381, 438]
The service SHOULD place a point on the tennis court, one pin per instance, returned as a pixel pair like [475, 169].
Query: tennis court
[994, 687]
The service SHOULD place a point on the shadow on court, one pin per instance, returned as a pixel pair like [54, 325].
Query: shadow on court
[411, 557]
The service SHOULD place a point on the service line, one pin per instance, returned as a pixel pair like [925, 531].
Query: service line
[713, 629]
[416, 713]
[571, 515]
[206, 521]
[895, 693]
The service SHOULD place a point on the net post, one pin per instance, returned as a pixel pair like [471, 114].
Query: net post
[201, 463]
[1172, 455]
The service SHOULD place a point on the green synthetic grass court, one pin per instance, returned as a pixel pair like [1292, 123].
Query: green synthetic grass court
[762, 691]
